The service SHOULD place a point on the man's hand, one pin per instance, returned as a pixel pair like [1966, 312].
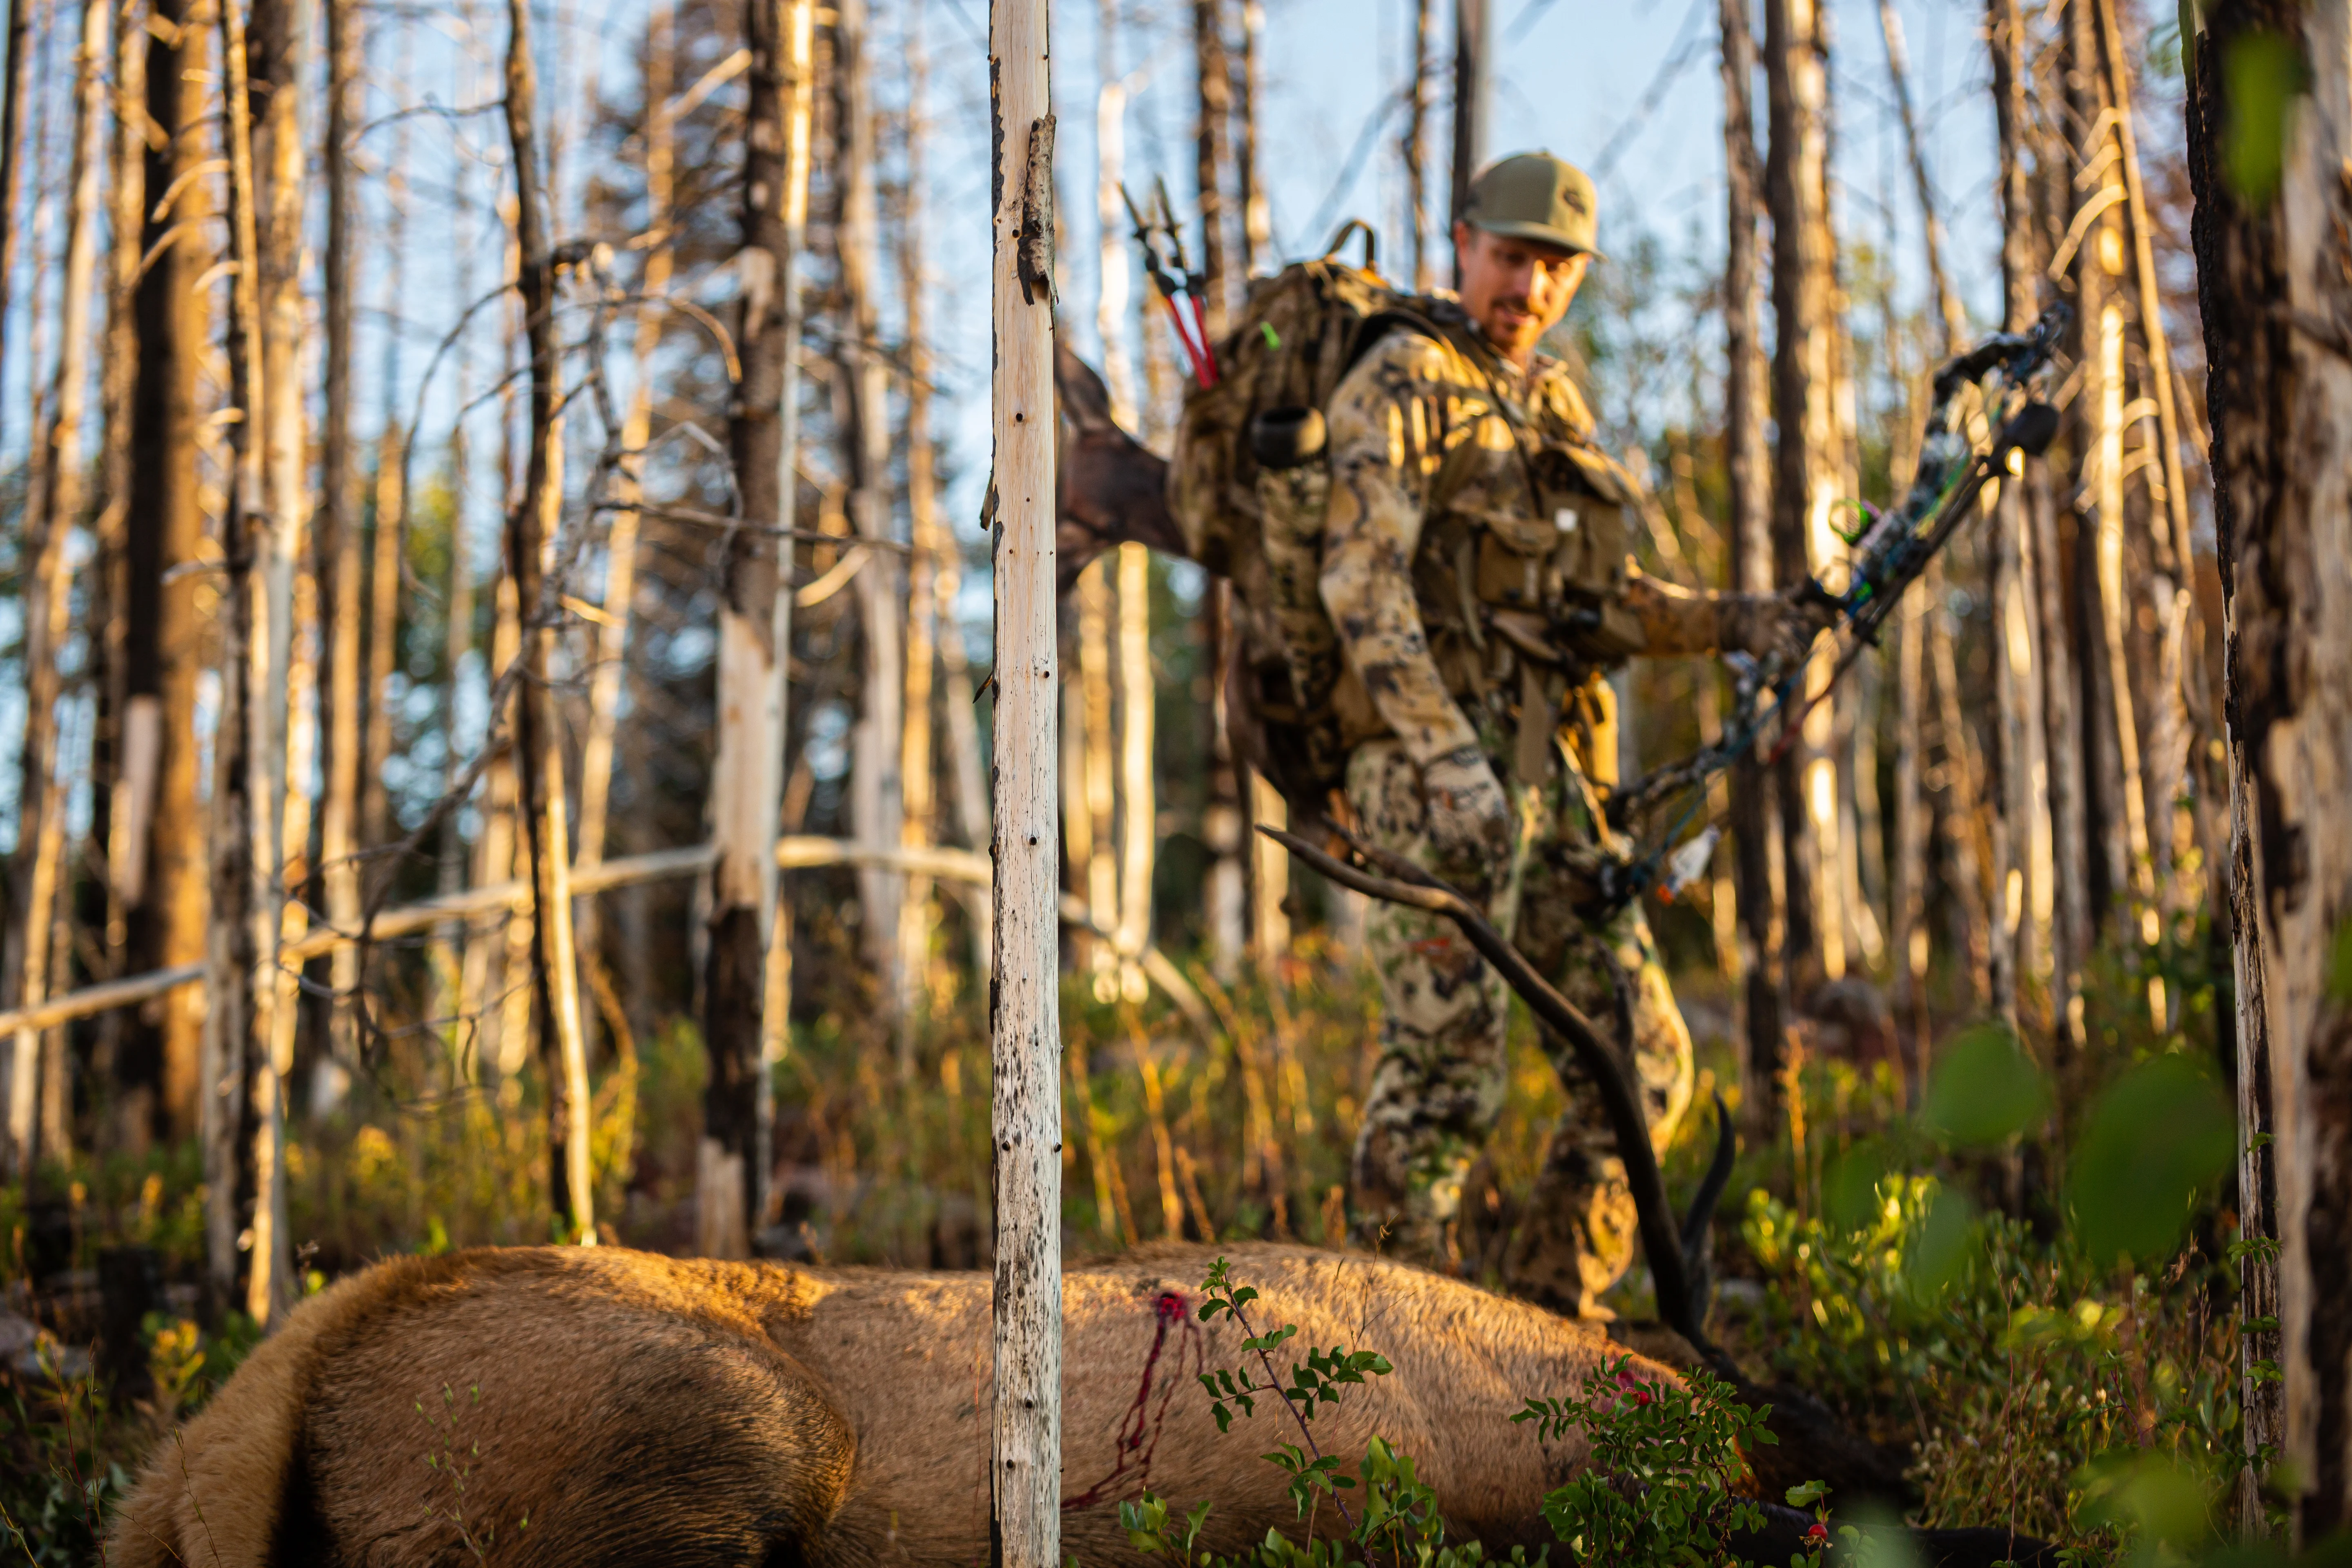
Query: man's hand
[1765, 624]
[1469, 820]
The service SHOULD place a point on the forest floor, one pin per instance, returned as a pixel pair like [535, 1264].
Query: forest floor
[2035, 1390]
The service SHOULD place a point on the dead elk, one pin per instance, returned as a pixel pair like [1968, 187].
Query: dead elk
[634, 1408]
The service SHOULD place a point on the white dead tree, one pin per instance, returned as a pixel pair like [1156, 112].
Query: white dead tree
[1024, 1025]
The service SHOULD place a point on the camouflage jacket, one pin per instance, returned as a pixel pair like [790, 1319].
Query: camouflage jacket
[1476, 548]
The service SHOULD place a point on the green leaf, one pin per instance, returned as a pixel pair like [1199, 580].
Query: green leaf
[1985, 1090]
[2261, 76]
[1939, 1249]
[2153, 1137]
[2165, 1501]
[1850, 1187]
[1809, 1494]
[2262, 1248]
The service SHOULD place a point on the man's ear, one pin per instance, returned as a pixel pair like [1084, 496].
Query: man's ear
[1464, 236]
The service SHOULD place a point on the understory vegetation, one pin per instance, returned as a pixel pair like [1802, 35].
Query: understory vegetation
[2020, 1266]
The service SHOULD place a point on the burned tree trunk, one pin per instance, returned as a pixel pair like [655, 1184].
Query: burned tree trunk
[13, 95]
[2275, 291]
[335, 547]
[161, 870]
[747, 778]
[248, 751]
[1211, 153]
[1413, 148]
[1805, 467]
[1754, 819]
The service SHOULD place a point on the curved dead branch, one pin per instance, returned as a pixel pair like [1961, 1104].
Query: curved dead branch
[1677, 1255]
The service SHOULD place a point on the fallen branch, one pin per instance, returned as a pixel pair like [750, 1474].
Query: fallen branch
[1677, 1262]
[799, 852]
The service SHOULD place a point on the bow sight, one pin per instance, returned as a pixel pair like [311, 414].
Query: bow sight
[1891, 550]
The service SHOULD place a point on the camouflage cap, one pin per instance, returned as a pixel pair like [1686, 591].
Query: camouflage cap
[1534, 195]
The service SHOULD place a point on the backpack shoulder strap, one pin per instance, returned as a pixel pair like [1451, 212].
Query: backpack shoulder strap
[1407, 315]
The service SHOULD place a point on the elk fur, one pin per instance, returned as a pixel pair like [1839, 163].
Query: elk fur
[641, 1408]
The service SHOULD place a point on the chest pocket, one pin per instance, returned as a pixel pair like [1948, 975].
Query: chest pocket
[1551, 530]
[1587, 501]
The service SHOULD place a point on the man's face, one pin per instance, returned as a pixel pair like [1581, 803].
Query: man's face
[1516, 289]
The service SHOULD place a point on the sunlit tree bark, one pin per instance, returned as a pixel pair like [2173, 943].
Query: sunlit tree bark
[160, 868]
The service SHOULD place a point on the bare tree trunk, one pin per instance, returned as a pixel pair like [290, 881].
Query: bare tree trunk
[1966, 839]
[2019, 669]
[1269, 875]
[2091, 229]
[917, 766]
[1997, 807]
[621, 544]
[2268, 272]
[1226, 827]
[1907, 906]
[538, 748]
[13, 95]
[277, 45]
[747, 777]
[1754, 824]
[1907, 940]
[1413, 148]
[1263, 805]
[1025, 1030]
[776, 1004]
[248, 748]
[48, 588]
[490, 956]
[876, 807]
[1805, 466]
[133, 1118]
[336, 548]
[1474, 97]
[1098, 773]
[1211, 153]
[1139, 833]
[1115, 273]
[159, 827]
[493, 958]
[1077, 810]
[1939, 283]
[2182, 721]
[1257, 216]
[390, 541]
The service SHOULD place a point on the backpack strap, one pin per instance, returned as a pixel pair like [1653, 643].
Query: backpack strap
[1339, 240]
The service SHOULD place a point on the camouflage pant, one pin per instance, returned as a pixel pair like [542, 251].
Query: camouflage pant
[1439, 1087]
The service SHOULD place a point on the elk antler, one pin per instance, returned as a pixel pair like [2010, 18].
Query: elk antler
[1678, 1262]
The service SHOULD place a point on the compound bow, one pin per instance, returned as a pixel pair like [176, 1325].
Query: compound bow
[1891, 550]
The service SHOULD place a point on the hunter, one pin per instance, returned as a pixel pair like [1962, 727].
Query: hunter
[1476, 568]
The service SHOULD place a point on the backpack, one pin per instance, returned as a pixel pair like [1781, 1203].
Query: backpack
[1247, 485]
